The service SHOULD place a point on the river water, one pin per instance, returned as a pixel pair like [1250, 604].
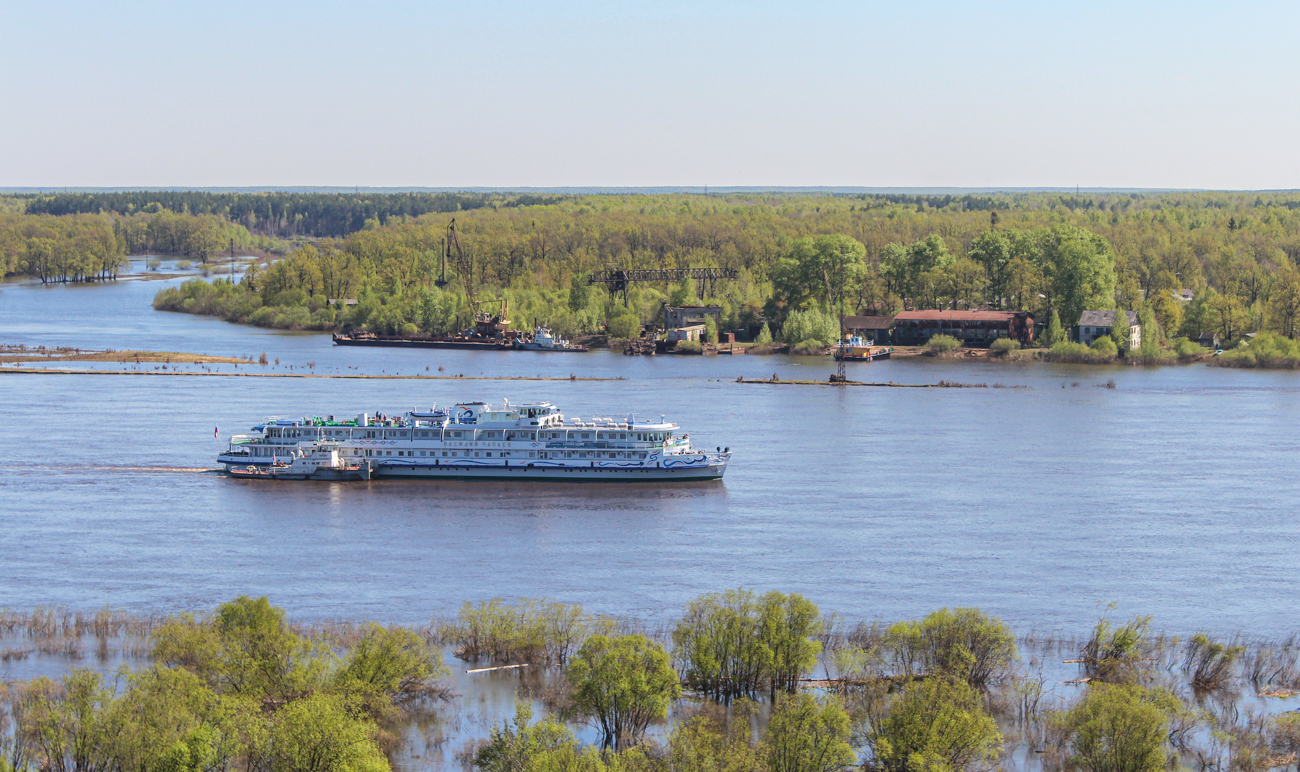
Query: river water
[1172, 494]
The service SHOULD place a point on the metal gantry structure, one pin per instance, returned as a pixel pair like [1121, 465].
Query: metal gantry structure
[618, 279]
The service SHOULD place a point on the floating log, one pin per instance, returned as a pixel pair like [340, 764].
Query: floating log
[501, 667]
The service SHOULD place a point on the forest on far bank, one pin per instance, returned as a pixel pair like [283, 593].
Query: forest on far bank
[797, 256]
[820, 255]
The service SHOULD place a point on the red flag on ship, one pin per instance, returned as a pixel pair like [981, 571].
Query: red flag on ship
[215, 433]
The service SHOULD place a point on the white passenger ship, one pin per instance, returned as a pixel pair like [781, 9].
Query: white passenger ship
[480, 441]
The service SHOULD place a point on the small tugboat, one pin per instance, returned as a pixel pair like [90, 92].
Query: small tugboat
[319, 462]
[543, 340]
[855, 349]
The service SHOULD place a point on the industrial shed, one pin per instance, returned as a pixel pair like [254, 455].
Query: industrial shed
[973, 328]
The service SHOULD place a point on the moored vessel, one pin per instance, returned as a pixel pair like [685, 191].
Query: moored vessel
[476, 440]
[314, 462]
[856, 349]
[544, 340]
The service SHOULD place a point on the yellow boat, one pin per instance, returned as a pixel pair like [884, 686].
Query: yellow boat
[856, 349]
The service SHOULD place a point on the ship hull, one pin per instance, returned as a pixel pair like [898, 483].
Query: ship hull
[553, 474]
[712, 468]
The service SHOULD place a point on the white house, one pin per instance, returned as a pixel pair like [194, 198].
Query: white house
[1097, 324]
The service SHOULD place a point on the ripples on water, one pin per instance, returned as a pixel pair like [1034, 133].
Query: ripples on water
[1172, 494]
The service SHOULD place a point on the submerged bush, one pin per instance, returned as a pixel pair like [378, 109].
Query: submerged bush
[1117, 654]
[735, 643]
[806, 735]
[1117, 727]
[531, 630]
[1210, 662]
[937, 724]
[964, 643]
[622, 684]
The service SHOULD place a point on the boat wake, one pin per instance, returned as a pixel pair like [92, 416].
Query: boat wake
[128, 468]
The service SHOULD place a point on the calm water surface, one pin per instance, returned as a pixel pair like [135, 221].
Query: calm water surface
[1172, 494]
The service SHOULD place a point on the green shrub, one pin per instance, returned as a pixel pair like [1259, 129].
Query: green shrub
[1188, 349]
[809, 347]
[736, 644]
[320, 732]
[1117, 654]
[1076, 353]
[811, 325]
[1105, 348]
[622, 684]
[937, 724]
[807, 736]
[1004, 346]
[532, 630]
[710, 330]
[1055, 333]
[1210, 662]
[388, 662]
[764, 336]
[691, 346]
[711, 741]
[940, 345]
[965, 643]
[1117, 727]
[1266, 349]
[625, 325]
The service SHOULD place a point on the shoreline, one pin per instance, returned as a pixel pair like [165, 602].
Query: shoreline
[178, 374]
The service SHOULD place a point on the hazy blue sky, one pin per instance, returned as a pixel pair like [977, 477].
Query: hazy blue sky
[499, 93]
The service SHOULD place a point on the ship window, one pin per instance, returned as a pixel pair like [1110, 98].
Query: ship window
[532, 454]
[489, 454]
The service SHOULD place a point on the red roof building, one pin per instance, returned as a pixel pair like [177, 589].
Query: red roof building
[974, 328]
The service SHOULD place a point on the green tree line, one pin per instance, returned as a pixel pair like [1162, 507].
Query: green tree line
[829, 255]
[94, 247]
[279, 214]
[60, 249]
